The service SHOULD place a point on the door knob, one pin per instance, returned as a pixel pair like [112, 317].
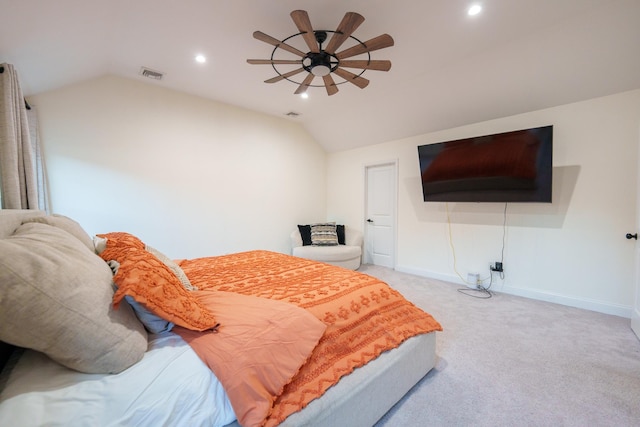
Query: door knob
[630, 236]
[369, 220]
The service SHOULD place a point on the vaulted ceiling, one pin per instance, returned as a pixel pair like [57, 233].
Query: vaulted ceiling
[448, 68]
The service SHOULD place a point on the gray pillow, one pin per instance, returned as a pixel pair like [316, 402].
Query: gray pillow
[57, 299]
[67, 224]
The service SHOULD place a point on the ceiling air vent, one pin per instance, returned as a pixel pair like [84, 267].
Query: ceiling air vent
[146, 72]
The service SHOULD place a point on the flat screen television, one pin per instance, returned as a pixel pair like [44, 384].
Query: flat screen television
[512, 166]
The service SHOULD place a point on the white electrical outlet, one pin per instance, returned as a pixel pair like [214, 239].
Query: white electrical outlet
[472, 280]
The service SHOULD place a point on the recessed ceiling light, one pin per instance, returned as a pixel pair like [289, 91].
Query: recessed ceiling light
[474, 10]
[304, 95]
[201, 59]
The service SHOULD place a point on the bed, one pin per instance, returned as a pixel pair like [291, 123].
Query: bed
[248, 339]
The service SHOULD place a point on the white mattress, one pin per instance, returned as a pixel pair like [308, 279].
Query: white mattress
[172, 387]
[169, 386]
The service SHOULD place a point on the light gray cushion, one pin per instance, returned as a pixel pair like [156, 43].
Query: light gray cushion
[10, 219]
[56, 297]
[327, 254]
[67, 224]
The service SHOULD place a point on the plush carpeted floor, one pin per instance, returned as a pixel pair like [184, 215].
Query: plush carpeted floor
[512, 361]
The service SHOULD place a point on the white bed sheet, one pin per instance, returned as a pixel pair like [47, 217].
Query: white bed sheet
[170, 386]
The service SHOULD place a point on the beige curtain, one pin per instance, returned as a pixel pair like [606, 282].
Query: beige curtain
[18, 175]
[41, 173]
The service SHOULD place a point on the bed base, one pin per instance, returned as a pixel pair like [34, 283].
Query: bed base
[361, 398]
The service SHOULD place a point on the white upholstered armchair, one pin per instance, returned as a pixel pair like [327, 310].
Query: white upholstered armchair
[347, 255]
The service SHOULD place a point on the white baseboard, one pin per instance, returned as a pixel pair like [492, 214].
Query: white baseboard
[635, 322]
[587, 304]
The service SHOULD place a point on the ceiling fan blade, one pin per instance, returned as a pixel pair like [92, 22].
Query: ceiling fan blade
[330, 85]
[259, 35]
[361, 82]
[274, 61]
[301, 19]
[284, 76]
[347, 26]
[305, 84]
[378, 65]
[375, 43]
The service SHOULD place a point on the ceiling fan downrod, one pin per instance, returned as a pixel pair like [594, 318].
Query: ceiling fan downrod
[319, 63]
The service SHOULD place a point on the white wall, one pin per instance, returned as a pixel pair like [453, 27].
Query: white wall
[187, 175]
[196, 178]
[572, 251]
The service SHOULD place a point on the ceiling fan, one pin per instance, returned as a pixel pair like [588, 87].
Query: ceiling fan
[324, 61]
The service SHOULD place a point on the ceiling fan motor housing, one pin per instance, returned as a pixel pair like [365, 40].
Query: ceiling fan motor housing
[319, 64]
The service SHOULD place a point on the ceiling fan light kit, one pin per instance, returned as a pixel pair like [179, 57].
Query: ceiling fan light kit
[325, 61]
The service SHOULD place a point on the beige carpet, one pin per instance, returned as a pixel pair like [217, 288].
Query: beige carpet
[512, 361]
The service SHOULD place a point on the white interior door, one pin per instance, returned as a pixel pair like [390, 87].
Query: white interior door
[380, 221]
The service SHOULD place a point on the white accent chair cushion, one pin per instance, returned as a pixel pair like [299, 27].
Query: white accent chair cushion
[346, 256]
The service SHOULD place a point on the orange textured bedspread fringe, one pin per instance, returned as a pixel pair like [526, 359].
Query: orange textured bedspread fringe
[364, 316]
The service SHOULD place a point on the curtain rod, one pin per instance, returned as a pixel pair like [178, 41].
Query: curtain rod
[26, 104]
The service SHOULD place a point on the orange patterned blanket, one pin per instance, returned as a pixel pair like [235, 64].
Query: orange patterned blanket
[364, 316]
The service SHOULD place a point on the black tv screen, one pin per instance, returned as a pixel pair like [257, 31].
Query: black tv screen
[504, 167]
